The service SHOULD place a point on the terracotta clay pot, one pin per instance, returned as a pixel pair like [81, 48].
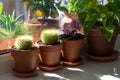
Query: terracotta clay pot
[50, 54]
[36, 29]
[6, 44]
[98, 45]
[71, 50]
[25, 60]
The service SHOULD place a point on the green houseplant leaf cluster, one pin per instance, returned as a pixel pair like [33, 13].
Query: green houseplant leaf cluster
[70, 6]
[47, 6]
[108, 14]
[89, 12]
[10, 26]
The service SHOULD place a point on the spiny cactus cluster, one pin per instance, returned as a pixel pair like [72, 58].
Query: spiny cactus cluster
[49, 36]
[23, 42]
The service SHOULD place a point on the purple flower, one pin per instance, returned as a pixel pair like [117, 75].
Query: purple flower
[45, 24]
[75, 25]
[71, 28]
[65, 30]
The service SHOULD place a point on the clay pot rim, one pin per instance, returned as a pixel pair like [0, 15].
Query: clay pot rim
[72, 40]
[44, 45]
[39, 24]
[113, 57]
[53, 68]
[32, 48]
[30, 24]
[26, 53]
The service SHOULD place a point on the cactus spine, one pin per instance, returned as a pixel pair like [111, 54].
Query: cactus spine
[49, 36]
[23, 42]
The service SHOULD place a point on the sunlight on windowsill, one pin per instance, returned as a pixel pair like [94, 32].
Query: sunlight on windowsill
[109, 77]
[55, 75]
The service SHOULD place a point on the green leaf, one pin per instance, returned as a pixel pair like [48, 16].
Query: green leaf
[10, 26]
[108, 32]
[53, 11]
[63, 9]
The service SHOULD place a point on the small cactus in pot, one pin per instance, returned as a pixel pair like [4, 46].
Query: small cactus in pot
[50, 49]
[23, 42]
[49, 36]
[24, 55]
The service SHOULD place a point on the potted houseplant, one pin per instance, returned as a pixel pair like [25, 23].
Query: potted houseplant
[72, 43]
[100, 20]
[24, 56]
[73, 34]
[10, 27]
[69, 13]
[38, 20]
[50, 50]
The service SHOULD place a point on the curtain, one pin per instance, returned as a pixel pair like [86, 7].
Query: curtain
[10, 5]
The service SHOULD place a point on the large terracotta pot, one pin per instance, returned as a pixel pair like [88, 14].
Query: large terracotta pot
[6, 44]
[98, 45]
[37, 28]
[25, 60]
[50, 54]
[71, 50]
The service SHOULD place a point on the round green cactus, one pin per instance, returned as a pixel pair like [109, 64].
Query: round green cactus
[23, 43]
[49, 36]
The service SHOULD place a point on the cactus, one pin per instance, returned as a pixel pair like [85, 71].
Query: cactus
[49, 36]
[23, 42]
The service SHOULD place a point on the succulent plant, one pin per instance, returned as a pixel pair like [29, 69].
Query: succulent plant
[11, 26]
[49, 36]
[23, 42]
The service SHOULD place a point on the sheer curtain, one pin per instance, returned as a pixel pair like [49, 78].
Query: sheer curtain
[17, 5]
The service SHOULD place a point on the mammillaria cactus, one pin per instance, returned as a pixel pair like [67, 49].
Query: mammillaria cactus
[23, 42]
[49, 36]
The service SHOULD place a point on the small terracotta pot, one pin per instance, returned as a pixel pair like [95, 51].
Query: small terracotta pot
[71, 50]
[98, 45]
[25, 60]
[36, 29]
[50, 54]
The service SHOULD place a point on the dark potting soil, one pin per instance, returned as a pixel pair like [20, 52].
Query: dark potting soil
[71, 36]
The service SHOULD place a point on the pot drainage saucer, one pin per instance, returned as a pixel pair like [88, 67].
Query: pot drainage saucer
[79, 62]
[113, 57]
[53, 68]
[29, 74]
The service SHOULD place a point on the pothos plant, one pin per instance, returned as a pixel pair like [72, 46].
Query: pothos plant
[100, 15]
[97, 14]
[42, 8]
[68, 7]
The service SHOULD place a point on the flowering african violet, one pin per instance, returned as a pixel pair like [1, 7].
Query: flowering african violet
[70, 31]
